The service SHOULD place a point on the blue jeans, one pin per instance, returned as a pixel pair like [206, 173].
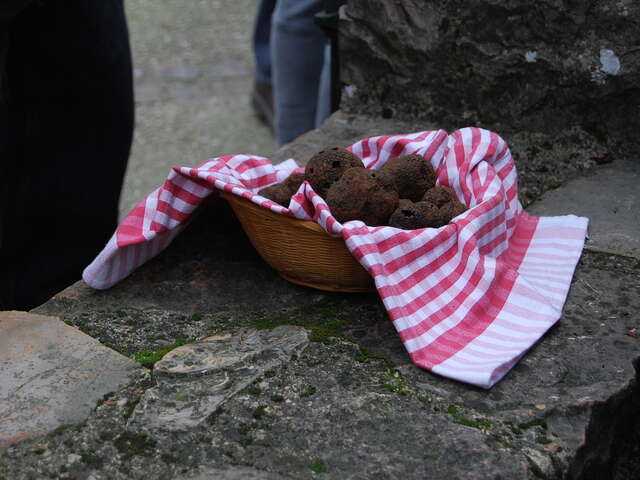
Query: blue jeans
[299, 55]
[261, 40]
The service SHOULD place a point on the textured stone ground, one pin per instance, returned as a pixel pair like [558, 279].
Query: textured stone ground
[609, 195]
[347, 404]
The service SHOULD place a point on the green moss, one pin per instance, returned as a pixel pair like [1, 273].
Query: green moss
[324, 319]
[254, 390]
[91, 460]
[245, 441]
[260, 412]
[394, 382]
[451, 410]
[131, 444]
[501, 441]
[318, 466]
[536, 422]
[514, 429]
[105, 436]
[277, 398]
[128, 311]
[479, 423]
[149, 357]
[307, 392]
[364, 356]
[65, 427]
[168, 458]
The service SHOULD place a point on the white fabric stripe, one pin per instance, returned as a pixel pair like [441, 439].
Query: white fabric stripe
[460, 313]
[150, 205]
[176, 203]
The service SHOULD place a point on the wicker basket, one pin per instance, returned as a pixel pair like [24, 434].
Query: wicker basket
[300, 250]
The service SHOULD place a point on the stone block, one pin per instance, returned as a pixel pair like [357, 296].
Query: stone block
[52, 374]
[609, 198]
[513, 65]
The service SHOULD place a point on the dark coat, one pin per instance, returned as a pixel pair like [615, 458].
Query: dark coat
[66, 123]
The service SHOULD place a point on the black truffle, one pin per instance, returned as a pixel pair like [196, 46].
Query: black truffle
[446, 199]
[439, 195]
[278, 193]
[417, 215]
[281, 192]
[293, 182]
[327, 167]
[413, 175]
[362, 194]
[404, 202]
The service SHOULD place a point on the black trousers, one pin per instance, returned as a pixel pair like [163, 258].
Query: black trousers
[66, 123]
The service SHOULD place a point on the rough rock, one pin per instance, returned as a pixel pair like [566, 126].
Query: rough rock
[609, 197]
[351, 405]
[52, 374]
[194, 380]
[612, 445]
[507, 66]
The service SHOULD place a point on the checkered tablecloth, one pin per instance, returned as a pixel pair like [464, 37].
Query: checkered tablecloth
[468, 299]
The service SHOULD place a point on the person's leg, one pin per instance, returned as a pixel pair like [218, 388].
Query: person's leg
[71, 117]
[261, 39]
[323, 109]
[297, 53]
[262, 93]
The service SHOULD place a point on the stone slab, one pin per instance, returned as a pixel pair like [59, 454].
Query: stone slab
[352, 403]
[608, 196]
[52, 374]
[195, 379]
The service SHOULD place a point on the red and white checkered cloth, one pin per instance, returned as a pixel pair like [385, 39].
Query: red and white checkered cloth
[468, 299]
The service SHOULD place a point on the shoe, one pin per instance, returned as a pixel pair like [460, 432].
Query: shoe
[262, 102]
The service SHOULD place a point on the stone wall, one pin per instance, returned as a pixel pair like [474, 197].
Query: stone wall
[510, 66]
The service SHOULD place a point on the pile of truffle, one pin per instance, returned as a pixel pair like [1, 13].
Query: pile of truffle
[401, 194]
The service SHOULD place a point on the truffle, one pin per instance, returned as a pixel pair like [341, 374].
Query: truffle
[439, 195]
[445, 198]
[404, 202]
[417, 215]
[413, 175]
[362, 194]
[278, 193]
[327, 167]
[294, 181]
[452, 209]
[282, 192]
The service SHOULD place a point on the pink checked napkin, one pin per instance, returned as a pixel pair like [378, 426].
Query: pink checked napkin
[468, 299]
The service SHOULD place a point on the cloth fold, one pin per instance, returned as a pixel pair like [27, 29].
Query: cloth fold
[468, 299]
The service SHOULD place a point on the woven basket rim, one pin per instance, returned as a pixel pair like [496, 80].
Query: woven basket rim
[297, 222]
